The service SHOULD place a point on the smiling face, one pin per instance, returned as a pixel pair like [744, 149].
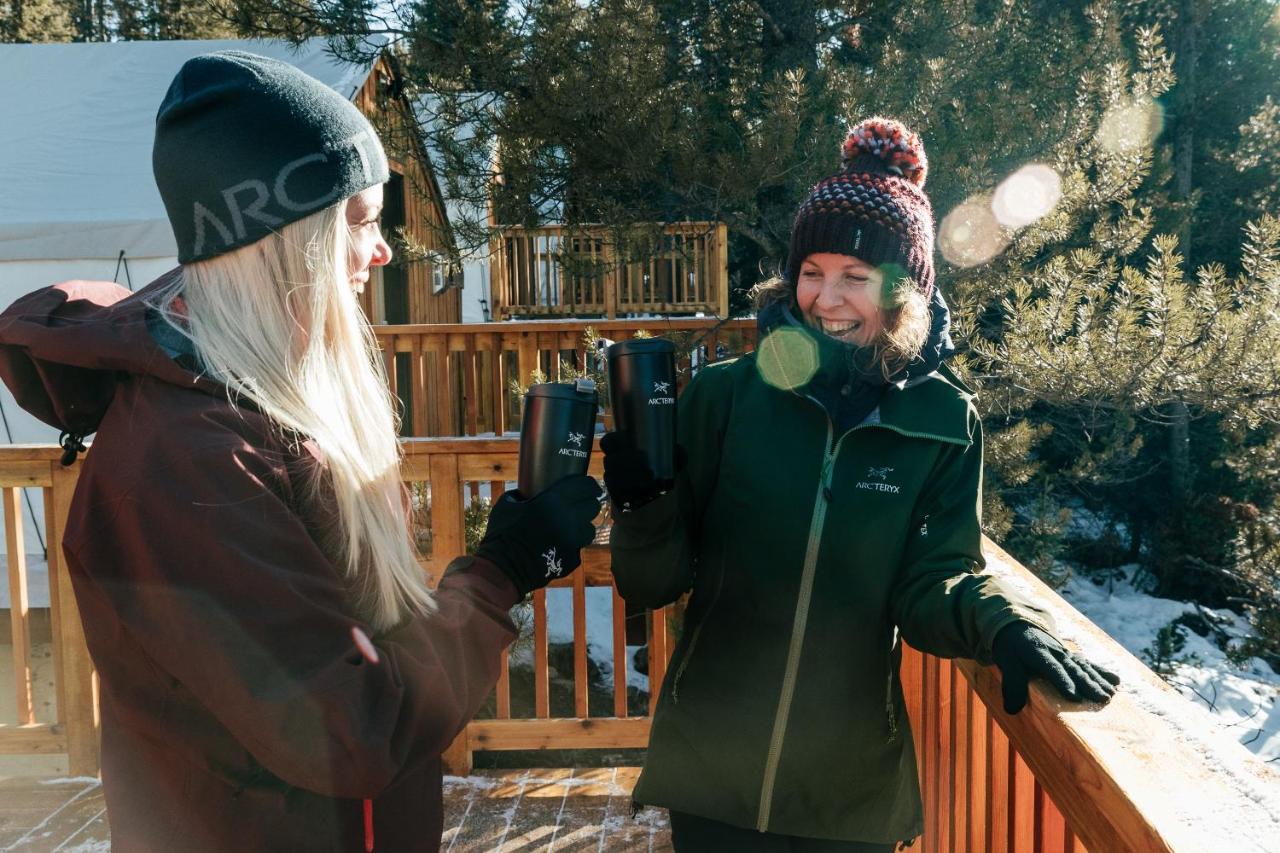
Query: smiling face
[840, 296]
[366, 247]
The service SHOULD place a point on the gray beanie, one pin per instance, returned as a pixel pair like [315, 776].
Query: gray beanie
[245, 144]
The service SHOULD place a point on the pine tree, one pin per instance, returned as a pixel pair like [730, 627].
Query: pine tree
[35, 21]
[109, 20]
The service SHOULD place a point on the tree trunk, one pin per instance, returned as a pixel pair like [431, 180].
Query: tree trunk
[1180, 455]
[1188, 55]
[790, 36]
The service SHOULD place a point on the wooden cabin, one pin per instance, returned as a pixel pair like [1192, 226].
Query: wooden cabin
[422, 285]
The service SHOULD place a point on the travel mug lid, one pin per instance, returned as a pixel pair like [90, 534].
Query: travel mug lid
[582, 390]
[637, 346]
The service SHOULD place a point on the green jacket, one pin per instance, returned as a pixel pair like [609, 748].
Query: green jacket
[805, 548]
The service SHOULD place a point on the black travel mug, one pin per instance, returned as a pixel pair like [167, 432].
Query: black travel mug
[642, 392]
[556, 433]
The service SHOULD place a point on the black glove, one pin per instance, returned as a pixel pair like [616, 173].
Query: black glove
[535, 541]
[1023, 652]
[627, 475]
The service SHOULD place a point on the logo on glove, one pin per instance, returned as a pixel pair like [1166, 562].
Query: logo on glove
[554, 569]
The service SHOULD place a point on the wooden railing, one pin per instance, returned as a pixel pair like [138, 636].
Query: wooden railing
[72, 727]
[557, 270]
[457, 379]
[453, 467]
[1147, 772]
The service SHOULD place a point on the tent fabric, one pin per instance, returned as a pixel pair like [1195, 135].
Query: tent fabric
[75, 143]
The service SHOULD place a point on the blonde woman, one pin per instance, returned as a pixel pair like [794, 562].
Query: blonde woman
[275, 673]
[828, 507]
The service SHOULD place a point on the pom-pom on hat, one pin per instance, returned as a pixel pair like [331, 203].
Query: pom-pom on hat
[874, 208]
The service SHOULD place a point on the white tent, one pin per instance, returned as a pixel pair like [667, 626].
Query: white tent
[77, 196]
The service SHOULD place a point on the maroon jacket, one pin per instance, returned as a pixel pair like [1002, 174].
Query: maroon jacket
[237, 711]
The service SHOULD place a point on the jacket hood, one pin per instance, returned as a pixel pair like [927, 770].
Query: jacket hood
[63, 347]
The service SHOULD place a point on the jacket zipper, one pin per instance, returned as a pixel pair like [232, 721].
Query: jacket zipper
[890, 707]
[797, 631]
[693, 638]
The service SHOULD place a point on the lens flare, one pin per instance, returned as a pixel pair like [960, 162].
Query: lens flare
[884, 282]
[787, 358]
[970, 234]
[1026, 195]
[1130, 125]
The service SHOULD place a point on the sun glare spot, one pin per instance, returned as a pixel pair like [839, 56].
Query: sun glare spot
[970, 234]
[1130, 125]
[1026, 196]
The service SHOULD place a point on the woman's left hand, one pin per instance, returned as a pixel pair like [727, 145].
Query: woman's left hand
[1023, 652]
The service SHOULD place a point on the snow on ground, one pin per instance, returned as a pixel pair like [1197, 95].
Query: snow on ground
[599, 632]
[1243, 700]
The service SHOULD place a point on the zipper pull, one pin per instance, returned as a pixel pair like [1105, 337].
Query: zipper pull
[890, 711]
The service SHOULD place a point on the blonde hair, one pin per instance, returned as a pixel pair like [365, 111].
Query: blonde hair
[278, 322]
[902, 334]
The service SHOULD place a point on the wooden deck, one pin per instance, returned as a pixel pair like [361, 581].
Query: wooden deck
[514, 811]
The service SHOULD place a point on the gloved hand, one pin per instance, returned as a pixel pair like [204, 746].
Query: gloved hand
[1023, 652]
[627, 474]
[537, 540]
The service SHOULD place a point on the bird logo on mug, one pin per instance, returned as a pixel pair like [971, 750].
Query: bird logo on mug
[576, 452]
[664, 390]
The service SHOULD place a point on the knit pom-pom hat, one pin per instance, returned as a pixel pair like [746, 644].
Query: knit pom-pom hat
[874, 208]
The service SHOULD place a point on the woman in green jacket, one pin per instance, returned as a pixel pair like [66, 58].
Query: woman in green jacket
[827, 510]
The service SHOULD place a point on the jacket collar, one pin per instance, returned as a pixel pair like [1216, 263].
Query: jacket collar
[938, 406]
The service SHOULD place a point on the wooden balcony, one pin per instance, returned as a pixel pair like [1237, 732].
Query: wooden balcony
[1147, 772]
[559, 271]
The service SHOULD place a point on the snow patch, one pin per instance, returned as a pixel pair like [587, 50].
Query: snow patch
[1240, 699]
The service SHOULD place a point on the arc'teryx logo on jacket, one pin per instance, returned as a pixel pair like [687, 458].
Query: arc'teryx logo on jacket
[882, 475]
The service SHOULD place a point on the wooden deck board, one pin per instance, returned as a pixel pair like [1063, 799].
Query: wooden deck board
[560, 810]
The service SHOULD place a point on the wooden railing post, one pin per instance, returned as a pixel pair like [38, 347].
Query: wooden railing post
[612, 279]
[720, 273]
[80, 714]
[19, 607]
[457, 757]
[498, 276]
[448, 536]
